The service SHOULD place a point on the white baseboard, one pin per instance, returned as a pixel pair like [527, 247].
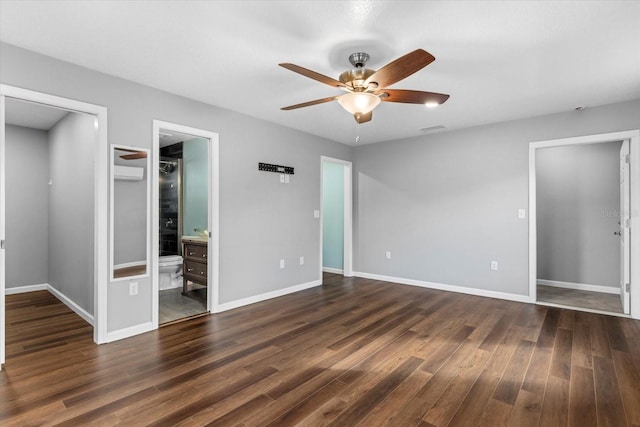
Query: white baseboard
[262, 297]
[72, 305]
[333, 270]
[580, 286]
[129, 332]
[129, 264]
[26, 288]
[449, 288]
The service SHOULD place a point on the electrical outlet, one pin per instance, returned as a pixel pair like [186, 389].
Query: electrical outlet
[316, 214]
[387, 255]
[133, 288]
[286, 179]
[281, 263]
[494, 265]
[301, 260]
[282, 178]
[522, 214]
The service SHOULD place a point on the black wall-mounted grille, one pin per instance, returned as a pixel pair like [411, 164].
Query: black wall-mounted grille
[267, 167]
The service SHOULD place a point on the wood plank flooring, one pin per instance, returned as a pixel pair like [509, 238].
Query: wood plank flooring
[351, 352]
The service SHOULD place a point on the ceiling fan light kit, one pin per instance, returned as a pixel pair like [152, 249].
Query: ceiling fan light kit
[358, 102]
[366, 88]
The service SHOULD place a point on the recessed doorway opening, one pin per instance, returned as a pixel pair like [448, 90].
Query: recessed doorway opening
[185, 241]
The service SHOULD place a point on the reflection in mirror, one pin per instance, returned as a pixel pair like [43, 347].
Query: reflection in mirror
[129, 212]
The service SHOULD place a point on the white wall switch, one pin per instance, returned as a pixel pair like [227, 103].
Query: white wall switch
[316, 214]
[301, 260]
[522, 214]
[281, 263]
[133, 288]
[387, 255]
[282, 178]
[286, 179]
[494, 265]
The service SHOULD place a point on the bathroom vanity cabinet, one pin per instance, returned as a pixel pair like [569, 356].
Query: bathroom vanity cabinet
[194, 267]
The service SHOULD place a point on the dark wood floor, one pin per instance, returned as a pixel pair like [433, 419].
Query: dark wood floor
[352, 352]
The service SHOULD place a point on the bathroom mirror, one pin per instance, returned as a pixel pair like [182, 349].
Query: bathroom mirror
[130, 209]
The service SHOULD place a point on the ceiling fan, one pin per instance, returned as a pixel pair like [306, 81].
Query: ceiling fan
[366, 88]
[135, 154]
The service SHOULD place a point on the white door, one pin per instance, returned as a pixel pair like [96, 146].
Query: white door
[625, 255]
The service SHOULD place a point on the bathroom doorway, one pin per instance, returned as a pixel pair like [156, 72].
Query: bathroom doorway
[336, 217]
[186, 241]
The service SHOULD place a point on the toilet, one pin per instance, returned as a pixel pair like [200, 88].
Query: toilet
[170, 269]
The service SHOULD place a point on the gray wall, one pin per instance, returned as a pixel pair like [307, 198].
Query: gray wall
[578, 192]
[71, 208]
[27, 195]
[446, 204]
[261, 220]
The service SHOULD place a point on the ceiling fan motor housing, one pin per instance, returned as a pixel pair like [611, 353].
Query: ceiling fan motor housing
[359, 59]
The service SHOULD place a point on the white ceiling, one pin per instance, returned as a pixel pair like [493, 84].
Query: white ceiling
[498, 60]
[31, 114]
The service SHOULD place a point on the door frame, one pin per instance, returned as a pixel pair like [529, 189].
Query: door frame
[101, 196]
[634, 141]
[213, 246]
[347, 263]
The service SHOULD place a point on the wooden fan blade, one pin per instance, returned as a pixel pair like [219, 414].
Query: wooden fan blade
[312, 75]
[401, 68]
[309, 103]
[136, 155]
[363, 118]
[129, 150]
[411, 96]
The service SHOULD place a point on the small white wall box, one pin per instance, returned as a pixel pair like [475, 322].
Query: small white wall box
[128, 173]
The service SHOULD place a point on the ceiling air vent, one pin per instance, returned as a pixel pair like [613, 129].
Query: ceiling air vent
[432, 129]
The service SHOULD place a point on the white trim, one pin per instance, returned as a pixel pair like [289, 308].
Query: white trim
[101, 182]
[72, 305]
[443, 287]
[634, 137]
[129, 332]
[580, 286]
[347, 262]
[213, 249]
[263, 297]
[587, 310]
[26, 288]
[2, 231]
[129, 264]
[332, 270]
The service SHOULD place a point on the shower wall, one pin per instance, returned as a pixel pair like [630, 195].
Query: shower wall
[170, 200]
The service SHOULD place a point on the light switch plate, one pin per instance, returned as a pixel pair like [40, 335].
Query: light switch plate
[316, 214]
[522, 214]
[282, 178]
[286, 179]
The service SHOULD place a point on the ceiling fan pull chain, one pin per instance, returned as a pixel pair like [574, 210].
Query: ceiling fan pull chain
[357, 132]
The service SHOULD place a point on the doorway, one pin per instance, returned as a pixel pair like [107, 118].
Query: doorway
[185, 243]
[66, 117]
[336, 254]
[580, 221]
